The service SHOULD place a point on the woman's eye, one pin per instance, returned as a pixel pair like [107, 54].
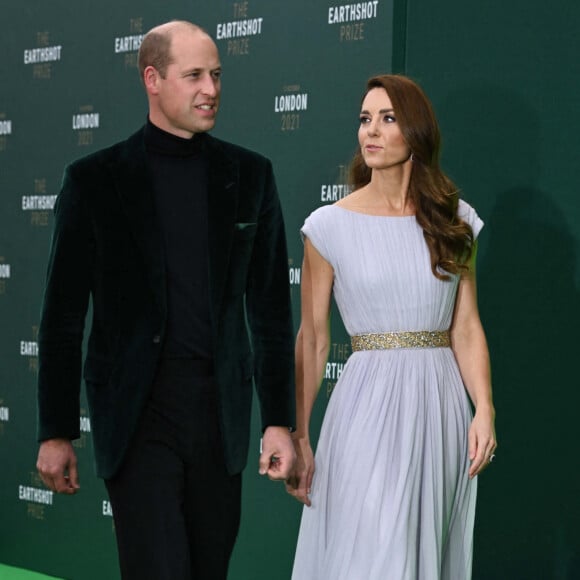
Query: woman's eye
[363, 120]
[390, 119]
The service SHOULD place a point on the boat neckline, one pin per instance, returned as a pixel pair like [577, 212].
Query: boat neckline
[373, 214]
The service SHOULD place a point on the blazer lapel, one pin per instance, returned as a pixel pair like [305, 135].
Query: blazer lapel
[132, 179]
[223, 184]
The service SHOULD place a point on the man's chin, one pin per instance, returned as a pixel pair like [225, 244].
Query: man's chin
[203, 126]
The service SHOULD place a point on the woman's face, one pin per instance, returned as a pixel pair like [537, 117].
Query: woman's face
[379, 135]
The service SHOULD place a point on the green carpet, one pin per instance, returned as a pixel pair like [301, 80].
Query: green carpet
[9, 573]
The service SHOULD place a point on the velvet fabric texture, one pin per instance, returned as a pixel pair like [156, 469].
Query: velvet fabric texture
[107, 248]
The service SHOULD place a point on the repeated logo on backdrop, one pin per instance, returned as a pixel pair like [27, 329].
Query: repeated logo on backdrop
[39, 204]
[5, 131]
[106, 508]
[128, 45]
[37, 498]
[332, 192]
[84, 124]
[239, 33]
[290, 106]
[5, 273]
[29, 350]
[43, 57]
[106, 511]
[295, 278]
[4, 416]
[350, 19]
[85, 430]
[294, 273]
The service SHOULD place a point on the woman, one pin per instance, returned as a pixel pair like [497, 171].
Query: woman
[393, 495]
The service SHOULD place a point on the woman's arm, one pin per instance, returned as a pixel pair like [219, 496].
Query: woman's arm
[312, 347]
[470, 347]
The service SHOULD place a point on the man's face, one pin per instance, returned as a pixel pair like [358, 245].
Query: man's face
[187, 99]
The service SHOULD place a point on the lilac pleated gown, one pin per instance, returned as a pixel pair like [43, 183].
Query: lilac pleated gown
[391, 498]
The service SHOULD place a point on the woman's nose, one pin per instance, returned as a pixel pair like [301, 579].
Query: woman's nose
[372, 128]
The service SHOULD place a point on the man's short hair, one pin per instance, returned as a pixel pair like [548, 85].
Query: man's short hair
[155, 48]
[155, 51]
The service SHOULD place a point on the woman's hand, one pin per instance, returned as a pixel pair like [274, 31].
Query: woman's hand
[300, 480]
[482, 441]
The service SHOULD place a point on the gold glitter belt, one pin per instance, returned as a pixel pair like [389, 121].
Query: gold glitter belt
[387, 340]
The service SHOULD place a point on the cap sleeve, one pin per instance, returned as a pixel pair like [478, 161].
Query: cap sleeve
[469, 215]
[315, 228]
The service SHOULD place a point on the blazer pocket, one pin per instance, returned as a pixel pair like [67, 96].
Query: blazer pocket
[245, 231]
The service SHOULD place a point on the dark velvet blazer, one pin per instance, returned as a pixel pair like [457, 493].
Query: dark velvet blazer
[107, 246]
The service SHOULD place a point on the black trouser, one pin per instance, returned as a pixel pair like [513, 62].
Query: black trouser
[176, 509]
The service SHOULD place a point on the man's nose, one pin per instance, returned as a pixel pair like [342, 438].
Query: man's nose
[210, 86]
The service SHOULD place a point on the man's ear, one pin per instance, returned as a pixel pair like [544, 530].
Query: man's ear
[151, 79]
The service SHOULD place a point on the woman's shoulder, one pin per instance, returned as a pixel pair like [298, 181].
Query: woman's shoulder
[321, 215]
[469, 215]
[465, 210]
[463, 207]
[319, 228]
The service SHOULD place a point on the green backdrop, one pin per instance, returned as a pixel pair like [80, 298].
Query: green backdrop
[504, 79]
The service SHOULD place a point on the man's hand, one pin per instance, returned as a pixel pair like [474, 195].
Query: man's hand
[57, 466]
[278, 455]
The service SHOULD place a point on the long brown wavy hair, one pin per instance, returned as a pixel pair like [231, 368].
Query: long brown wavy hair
[433, 195]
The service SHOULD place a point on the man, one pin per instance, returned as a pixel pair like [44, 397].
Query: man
[178, 238]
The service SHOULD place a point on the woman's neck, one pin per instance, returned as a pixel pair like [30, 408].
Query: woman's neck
[389, 188]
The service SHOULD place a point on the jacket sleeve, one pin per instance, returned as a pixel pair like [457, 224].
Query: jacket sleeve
[270, 313]
[63, 316]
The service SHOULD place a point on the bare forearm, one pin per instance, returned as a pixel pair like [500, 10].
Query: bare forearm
[311, 356]
[472, 354]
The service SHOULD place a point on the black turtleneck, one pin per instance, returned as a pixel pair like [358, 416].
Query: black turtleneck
[179, 174]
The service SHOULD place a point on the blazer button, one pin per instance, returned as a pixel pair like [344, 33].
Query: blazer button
[156, 339]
